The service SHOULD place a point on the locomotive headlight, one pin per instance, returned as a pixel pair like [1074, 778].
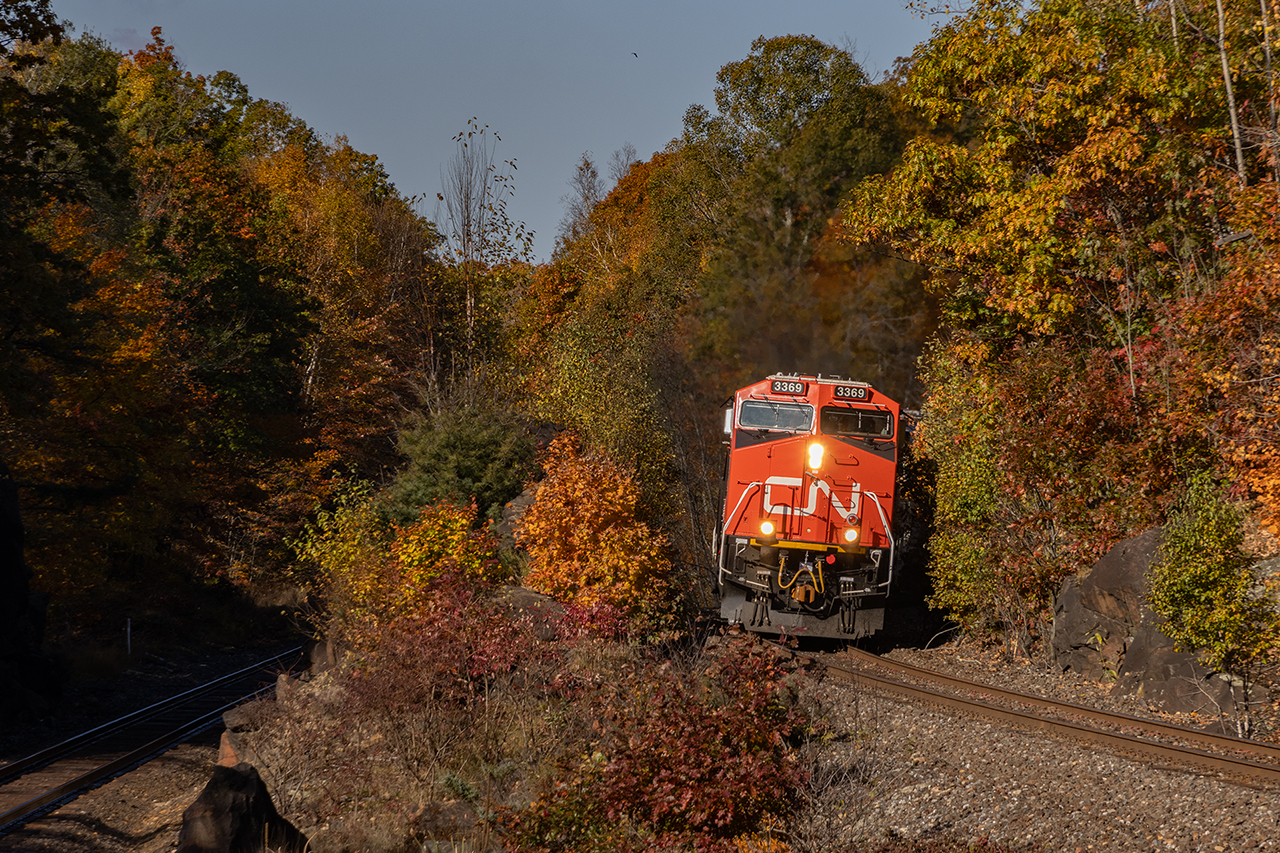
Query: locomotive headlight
[851, 535]
[815, 456]
[766, 527]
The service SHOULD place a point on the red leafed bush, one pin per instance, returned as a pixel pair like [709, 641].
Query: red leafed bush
[443, 689]
[449, 649]
[686, 759]
[601, 620]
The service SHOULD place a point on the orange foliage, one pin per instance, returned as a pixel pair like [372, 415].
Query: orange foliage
[623, 224]
[1235, 331]
[585, 543]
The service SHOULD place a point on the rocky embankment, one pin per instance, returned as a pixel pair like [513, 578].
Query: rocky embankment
[906, 774]
[928, 774]
[919, 774]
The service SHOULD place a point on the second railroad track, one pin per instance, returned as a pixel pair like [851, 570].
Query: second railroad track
[50, 777]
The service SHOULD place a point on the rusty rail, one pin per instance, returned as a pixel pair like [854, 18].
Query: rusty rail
[1194, 754]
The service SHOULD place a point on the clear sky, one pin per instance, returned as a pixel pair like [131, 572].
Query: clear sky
[554, 78]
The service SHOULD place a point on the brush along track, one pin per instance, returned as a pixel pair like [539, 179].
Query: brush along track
[1234, 759]
[43, 780]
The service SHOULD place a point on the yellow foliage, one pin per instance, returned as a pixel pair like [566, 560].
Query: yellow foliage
[442, 534]
[756, 843]
[370, 576]
[585, 544]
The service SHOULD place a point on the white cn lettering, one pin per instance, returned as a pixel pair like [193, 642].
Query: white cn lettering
[790, 484]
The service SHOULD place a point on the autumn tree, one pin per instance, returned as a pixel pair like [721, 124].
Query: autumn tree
[586, 544]
[1068, 238]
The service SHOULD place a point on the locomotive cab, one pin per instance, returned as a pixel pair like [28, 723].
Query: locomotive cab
[805, 542]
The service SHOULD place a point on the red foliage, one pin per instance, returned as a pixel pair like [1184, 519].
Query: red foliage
[447, 650]
[601, 620]
[685, 759]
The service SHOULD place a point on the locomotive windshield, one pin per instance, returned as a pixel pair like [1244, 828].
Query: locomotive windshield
[862, 423]
[759, 414]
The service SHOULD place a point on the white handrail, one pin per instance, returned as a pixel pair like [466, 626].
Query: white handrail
[884, 521]
[724, 527]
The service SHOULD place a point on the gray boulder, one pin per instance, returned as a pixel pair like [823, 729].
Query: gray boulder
[511, 513]
[1167, 678]
[234, 814]
[1103, 629]
[544, 613]
[1094, 615]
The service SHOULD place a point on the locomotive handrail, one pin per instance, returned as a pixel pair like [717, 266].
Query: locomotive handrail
[729, 518]
[884, 521]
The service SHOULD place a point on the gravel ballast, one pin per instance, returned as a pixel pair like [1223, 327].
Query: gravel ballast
[905, 771]
[927, 774]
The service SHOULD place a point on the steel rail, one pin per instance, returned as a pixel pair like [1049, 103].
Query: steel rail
[1199, 736]
[68, 790]
[47, 756]
[1132, 745]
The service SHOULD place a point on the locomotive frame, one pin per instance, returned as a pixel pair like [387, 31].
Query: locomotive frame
[804, 544]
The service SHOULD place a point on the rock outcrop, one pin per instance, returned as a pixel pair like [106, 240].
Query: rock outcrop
[544, 613]
[1103, 629]
[234, 814]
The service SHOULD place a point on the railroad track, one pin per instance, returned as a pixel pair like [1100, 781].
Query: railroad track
[1232, 758]
[44, 780]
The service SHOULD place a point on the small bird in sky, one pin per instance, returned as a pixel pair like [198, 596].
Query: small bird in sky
[636, 55]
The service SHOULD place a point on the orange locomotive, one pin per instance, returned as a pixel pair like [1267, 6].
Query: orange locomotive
[805, 542]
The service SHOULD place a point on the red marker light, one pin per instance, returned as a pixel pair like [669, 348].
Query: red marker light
[831, 558]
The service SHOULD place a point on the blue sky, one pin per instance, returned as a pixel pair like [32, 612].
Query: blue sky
[556, 78]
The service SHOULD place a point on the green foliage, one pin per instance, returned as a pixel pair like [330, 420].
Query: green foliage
[798, 126]
[1204, 586]
[462, 455]
[780, 88]
[598, 381]
[958, 437]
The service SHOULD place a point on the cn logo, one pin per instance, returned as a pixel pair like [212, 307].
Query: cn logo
[788, 488]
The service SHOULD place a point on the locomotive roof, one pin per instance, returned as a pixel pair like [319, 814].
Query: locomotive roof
[818, 378]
